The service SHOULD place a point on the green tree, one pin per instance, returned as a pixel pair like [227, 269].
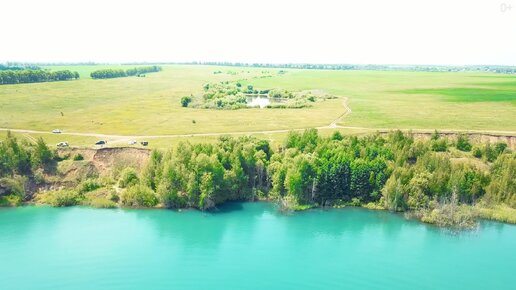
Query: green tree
[185, 101]
[42, 154]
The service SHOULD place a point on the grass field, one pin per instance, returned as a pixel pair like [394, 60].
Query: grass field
[462, 101]
[150, 106]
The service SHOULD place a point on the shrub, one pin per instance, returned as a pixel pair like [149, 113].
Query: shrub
[435, 135]
[489, 153]
[463, 143]
[10, 200]
[477, 152]
[12, 186]
[78, 157]
[500, 147]
[185, 101]
[460, 217]
[355, 202]
[337, 136]
[114, 197]
[102, 202]
[440, 145]
[128, 177]
[139, 196]
[88, 185]
[60, 198]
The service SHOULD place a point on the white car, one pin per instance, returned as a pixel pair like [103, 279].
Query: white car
[56, 131]
[132, 142]
[62, 144]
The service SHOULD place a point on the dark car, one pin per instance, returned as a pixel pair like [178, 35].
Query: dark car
[101, 142]
[144, 143]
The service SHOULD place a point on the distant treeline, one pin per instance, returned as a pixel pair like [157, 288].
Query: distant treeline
[18, 66]
[119, 73]
[35, 76]
[388, 67]
[426, 68]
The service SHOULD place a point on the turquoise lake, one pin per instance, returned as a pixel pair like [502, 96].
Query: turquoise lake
[247, 246]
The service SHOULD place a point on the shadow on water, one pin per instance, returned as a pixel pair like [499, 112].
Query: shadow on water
[227, 207]
[201, 230]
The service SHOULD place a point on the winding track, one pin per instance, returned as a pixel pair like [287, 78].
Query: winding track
[113, 139]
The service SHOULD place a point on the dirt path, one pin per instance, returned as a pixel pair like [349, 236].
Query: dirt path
[346, 112]
[116, 139]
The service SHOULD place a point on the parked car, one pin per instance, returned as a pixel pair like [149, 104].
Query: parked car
[56, 131]
[144, 143]
[62, 144]
[100, 142]
[132, 142]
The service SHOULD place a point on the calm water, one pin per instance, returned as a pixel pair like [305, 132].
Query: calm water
[261, 102]
[246, 246]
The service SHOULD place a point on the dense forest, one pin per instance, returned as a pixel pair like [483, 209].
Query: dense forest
[439, 181]
[21, 76]
[119, 73]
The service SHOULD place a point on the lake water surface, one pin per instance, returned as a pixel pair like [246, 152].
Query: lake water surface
[246, 246]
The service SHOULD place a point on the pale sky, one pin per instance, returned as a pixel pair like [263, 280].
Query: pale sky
[455, 32]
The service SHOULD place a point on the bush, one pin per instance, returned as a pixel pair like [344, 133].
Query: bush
[60, 198]
[440, 145]
[500, 147]
[12, 186]
[139, 196]
[78, 157]
[490, 153]
[463, 143]
[102, 202]
[337, 136]
[10, 200]
[88, 185]
[449, 214]
[185, 101]
[460, 217]
[477, 152]
[128, 177]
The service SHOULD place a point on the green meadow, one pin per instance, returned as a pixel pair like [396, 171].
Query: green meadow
[416, 100]
[150, 105]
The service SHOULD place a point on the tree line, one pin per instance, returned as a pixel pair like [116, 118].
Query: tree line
[18, 66]
[35, 76]
[118, 73]
[393, 172]
[426, 68]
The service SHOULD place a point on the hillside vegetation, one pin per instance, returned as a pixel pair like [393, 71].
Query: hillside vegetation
[437, 181]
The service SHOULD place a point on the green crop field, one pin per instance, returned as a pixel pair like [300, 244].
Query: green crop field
[150, 106]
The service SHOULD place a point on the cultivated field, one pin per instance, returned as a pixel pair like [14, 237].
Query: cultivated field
[150, 106]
